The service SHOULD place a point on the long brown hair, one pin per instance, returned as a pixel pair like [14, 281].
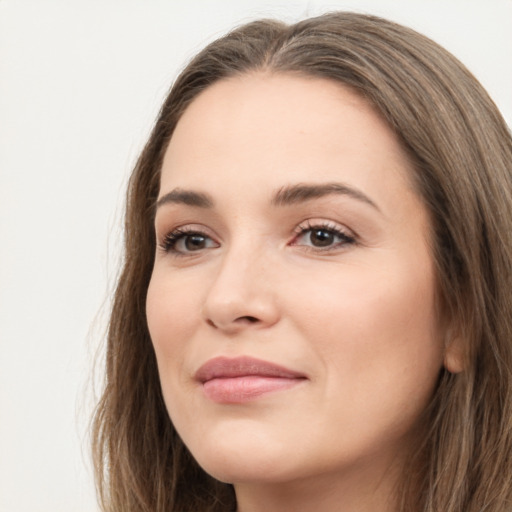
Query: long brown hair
[461, 151]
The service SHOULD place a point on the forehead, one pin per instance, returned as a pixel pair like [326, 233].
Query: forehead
[261, 129]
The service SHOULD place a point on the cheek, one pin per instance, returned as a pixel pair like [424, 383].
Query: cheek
[172, 312]
[376, 336]
[395, 303]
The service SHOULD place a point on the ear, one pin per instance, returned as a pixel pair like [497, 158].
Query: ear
[454, 352]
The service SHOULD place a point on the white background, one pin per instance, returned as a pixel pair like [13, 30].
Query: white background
[80, 84]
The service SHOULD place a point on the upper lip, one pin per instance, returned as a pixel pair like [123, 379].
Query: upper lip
[226, 367]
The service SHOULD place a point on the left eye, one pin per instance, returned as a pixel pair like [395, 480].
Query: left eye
[323, 238]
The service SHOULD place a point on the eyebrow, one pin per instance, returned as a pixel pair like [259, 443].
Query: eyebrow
[301, 192]
[285, 196]
[188, 197]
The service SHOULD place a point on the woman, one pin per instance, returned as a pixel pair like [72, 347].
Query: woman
[314, 310]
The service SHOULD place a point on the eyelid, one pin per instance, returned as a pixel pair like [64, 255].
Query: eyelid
[170, 237]
[348, 236]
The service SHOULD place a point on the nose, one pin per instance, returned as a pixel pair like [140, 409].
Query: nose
[242, 295]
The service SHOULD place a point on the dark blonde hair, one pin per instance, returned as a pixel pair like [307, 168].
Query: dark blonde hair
[461, 150]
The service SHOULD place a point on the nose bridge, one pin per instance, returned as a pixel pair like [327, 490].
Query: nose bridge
[241, 292]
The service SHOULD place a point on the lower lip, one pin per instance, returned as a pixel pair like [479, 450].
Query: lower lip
[236, 390]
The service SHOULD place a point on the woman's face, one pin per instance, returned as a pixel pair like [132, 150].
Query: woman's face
[292, 301]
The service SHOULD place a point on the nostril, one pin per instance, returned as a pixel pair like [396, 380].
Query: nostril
[240, 320]
[248, 319]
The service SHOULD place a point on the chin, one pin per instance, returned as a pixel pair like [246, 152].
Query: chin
[245, 470]
[244, 461]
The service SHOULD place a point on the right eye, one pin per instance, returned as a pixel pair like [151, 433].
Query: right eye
[183, 241]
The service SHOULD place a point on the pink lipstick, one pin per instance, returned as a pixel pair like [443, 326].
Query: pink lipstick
[242, 379]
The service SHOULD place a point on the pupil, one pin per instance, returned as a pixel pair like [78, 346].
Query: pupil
[321, 238]
[194, 242]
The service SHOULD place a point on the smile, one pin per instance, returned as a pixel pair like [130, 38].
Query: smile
[243, 379]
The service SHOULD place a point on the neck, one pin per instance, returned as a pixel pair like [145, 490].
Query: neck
[356, 490]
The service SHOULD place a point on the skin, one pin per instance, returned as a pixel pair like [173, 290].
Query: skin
[356, 317]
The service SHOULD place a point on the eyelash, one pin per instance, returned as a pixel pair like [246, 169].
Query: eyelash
[170, 241]
[345, 239]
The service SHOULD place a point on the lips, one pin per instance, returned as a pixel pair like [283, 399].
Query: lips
[242, 379]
